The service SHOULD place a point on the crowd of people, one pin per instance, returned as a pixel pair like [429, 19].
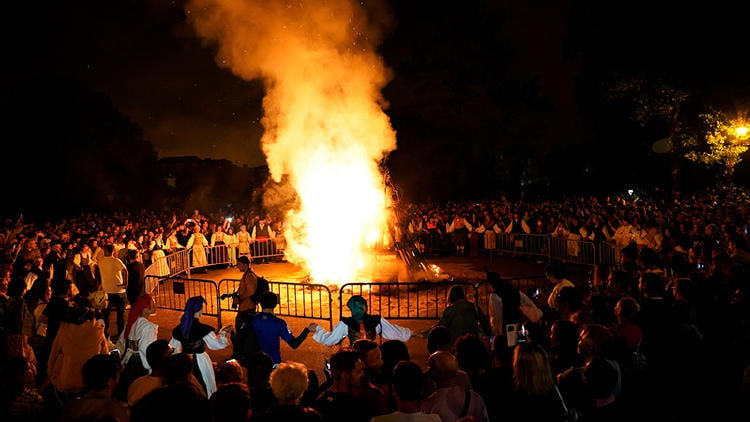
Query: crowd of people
[664, 334]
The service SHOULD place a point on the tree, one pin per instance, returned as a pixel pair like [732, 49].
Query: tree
[724, 143]
[656, 100]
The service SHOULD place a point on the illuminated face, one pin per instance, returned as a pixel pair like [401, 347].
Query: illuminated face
[355, 377]
[374, 359]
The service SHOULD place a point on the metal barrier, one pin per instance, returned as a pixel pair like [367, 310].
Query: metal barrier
[417, 300]
[299, 300]
[524, 244]
[608, 253]
[173, 293]
[573, 250]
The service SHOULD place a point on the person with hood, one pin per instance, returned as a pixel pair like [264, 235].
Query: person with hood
[192, 337]
[138, 334]
[360, 325]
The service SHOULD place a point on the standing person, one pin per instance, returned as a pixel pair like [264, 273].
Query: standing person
[339, 403]
[139, 333]
[192, 337]
[76, 342]
[100, 376]
[555, 272]
[408, 380]
[231, 240]
[289, 381]
[508, 305]
[114, 282]
[243, 241]
[463, 317]
[451, 401]
[269, 329]
[136, 275]
[262, 239]
[219, 247]
[245, 341]
[360, 325]
[198, 242]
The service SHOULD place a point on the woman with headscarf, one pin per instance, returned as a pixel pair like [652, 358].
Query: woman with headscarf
[360, 325]
[192, 337]
[139, 332]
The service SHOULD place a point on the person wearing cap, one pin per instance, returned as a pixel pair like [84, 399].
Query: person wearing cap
[360, 325]
[192, 337]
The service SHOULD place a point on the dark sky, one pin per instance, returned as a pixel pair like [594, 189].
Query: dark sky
[540, 57]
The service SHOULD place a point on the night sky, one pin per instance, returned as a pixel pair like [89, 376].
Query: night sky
[501, 72]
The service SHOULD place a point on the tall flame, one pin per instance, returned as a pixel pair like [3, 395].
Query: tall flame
[324, 122]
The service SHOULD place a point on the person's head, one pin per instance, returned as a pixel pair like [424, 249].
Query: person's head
[193, 310]
[555, 270]
[101, 372]
[177, 368]
[98, 299]
[455, 293]
[443, 366]
[289, 382]
[471, 353]
[370, 354]
[347, 368]
[408, 381]
[243, 263]
[357, 306]
[651, 285]
[563, 337]
[439, 338]
[626, 309]
[595, 341]
[259, 369]
[230, 371]
[231, 403]
[532, 371]
[393, 351]
[81, 311]
[268, 300]
[157, 354]
[109, 249]
[16, 288]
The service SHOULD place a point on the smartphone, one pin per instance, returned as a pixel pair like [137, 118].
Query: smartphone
[536, 293]
[511, 334]
[521, 336]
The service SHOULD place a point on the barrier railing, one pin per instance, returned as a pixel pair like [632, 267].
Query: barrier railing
[174, 292]
[299, 300]
[415, 300]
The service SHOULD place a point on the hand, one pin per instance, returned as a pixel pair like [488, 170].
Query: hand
[228, 328]
[313, 327]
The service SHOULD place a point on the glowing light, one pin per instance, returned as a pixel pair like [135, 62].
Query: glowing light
[741, 131]
[325, 128]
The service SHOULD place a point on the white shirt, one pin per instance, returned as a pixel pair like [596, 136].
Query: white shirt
[144, 332]
[341, 331]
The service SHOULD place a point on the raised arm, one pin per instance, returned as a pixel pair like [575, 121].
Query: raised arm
[325, 338]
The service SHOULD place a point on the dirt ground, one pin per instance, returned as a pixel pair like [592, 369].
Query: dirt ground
[389, 268]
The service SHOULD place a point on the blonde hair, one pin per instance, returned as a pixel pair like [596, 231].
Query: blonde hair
[289, 382]
[532, 371]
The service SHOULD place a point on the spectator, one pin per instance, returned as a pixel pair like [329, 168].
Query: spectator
[370, 386]
[114, 282]
[339, 402]
[555, 272]
[463, 317]
[136, 276]
[231, 403]
[77, 341]
[451, 401]
[100, 376]
[289, 381]
[535, 396]
[19, 399]
[157, 354]
[408, 380]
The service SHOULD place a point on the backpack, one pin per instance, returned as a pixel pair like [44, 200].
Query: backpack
[261, 288]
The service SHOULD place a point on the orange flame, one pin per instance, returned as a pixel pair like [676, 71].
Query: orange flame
[324, 119]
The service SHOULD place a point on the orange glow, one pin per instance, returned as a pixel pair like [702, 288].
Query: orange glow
[325, 127]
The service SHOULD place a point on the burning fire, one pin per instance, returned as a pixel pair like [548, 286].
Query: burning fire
[324, 122]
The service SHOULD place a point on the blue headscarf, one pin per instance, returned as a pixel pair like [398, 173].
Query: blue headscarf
[193, 305]
[356, 305]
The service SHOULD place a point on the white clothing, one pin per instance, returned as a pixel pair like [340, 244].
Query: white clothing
[340, 331]
[407, 417]
[198, 242]
[144, 332]
[527, 306]
[213, 342]
[110, 269]
[159, 261]
[448, 402]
